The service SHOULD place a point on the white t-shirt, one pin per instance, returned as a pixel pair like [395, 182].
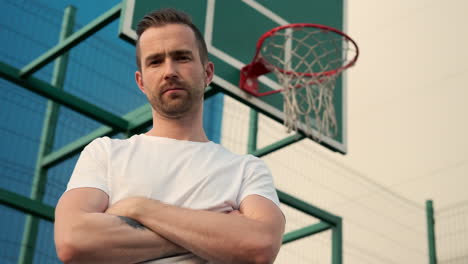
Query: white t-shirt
[196, 175]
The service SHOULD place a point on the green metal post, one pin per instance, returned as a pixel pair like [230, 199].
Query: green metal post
[337, 243]
[308, 208]
[430, 232]
[278, 145]
[75, 103]
[253, 128]
[305, 232]
[46, 144]
[26, 205]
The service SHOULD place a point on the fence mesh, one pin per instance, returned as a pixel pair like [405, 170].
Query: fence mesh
[379, 225]
[451, 229]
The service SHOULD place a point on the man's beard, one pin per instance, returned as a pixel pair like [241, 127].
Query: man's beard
[177, 104]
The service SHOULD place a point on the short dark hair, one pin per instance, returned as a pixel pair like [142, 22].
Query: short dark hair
[165, 16]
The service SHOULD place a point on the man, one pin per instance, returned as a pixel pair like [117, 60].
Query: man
[170, 195]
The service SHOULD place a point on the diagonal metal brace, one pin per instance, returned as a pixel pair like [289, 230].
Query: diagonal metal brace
[71, 41]
[73, 102]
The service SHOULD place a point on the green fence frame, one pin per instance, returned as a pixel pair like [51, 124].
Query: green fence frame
[431, 240]
[131, 123]
[328, 220]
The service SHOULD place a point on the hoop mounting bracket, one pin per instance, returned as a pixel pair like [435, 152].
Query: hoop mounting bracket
[249, 77]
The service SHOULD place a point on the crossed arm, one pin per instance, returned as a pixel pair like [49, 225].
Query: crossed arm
[86, 232]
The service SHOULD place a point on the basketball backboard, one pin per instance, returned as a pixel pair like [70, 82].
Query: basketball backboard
[232, 28]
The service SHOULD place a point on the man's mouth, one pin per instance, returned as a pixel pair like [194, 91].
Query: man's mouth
[171, 90]
[172, 86]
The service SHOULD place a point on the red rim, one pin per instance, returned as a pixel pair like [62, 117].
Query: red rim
[322, 27]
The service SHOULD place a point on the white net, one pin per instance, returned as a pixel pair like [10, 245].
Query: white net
[307, 61]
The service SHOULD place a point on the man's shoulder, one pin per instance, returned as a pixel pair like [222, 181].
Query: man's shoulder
[107, 143]
[245, 158]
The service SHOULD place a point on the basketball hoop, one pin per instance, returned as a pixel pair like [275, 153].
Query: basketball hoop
[306, 60]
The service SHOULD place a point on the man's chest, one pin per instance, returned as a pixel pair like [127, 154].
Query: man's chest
[187, 179]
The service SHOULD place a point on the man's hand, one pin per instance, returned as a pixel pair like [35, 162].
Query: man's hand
[235, 212]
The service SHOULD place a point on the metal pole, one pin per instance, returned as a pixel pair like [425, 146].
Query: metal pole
[26, 205]
[337, 243]
[47, 140]
[69, 100]
[430, 232]
[278, 145]
[253, 128]
[67, 43]
[306, 232]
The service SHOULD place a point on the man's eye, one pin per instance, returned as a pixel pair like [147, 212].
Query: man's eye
[183, 58]
[155, 62]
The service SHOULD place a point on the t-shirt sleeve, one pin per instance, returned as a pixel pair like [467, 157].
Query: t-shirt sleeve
[91, 168]
[257, 180]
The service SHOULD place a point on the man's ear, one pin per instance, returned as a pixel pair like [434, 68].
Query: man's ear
[139, 81]
[209, 73]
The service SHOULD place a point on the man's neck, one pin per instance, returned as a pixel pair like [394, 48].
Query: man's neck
[188, 127]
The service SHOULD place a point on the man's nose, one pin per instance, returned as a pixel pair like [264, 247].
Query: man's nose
[170, 70]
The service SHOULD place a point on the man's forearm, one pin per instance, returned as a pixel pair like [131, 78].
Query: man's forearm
[218, 237]
[106, 238]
